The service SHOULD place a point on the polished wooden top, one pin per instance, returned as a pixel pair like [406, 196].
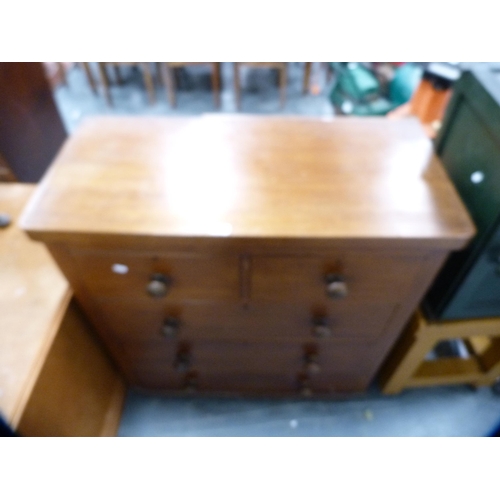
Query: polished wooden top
[250, 176]
[33, 298]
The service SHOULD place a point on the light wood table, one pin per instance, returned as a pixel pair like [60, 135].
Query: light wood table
[407, 365]
[55, 379]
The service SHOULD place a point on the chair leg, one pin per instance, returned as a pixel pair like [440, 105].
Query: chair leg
[148, 81]
[105, 82]
[118, 76]
[169, 82]
[329, 71]
[283, 85]
[6, 173]
[62, 73]
[307, 78]
[236, 78]
[216, 83]
[90, 78]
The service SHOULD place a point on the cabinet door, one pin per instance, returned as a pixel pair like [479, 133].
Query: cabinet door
[471, 156]
[478, 296]
[468, 286]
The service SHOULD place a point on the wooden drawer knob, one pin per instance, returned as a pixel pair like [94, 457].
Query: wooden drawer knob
[321, 328]
[182, 361]
[170, 327]
[304, 388]
[158, 285]
[336, 287]
[191, 383]
[311, 364]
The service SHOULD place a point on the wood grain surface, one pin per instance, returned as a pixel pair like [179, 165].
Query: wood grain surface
[55, 379]
[246, 216]
[243, 177]
[34, 296]
[78, 392]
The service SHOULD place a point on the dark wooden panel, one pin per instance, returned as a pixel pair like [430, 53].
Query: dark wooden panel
[368, 276]
[78, 391]
[193, 277]
[31, 130]
[261, 320]
[247, 366]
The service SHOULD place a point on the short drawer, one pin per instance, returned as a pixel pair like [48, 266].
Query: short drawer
[213, 366]
[257, 321]
[355, 277]
[131, 275]
[342, 368]
[225, 356]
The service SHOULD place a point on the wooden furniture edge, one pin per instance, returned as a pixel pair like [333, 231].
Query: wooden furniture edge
[113, 415]
[406, 366]
[37, 367]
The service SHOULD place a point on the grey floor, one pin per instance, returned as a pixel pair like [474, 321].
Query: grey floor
[260, 94]
[441, 411]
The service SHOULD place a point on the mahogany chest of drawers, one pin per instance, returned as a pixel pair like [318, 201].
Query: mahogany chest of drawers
[237, 254]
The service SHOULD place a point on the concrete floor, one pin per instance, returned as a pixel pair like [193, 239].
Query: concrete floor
[443, 411]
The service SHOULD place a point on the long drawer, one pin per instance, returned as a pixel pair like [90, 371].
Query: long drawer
[362, 276]
[257, 321]
[224, 366]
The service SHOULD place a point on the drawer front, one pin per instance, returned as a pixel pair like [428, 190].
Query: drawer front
[293, 368]
[366, 277]
[213, 366]
[258, 321]
[343, 369]
[126, 275]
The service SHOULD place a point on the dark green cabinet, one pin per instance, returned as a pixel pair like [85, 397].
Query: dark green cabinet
[468, 286]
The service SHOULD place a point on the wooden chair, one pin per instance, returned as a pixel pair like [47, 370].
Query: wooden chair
[56, 73]
[89, 75]
[280, 66]
[306, 83]
[167, 71]
[146, 72]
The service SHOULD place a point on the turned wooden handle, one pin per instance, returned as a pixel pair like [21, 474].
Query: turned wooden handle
[191, 383]
[311, 364]
[170, 327]
[320, 328]
[158, 285]
[182, 361]
[304, 388]
[336, 287]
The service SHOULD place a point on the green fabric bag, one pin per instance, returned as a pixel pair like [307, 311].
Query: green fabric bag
[358, 92]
